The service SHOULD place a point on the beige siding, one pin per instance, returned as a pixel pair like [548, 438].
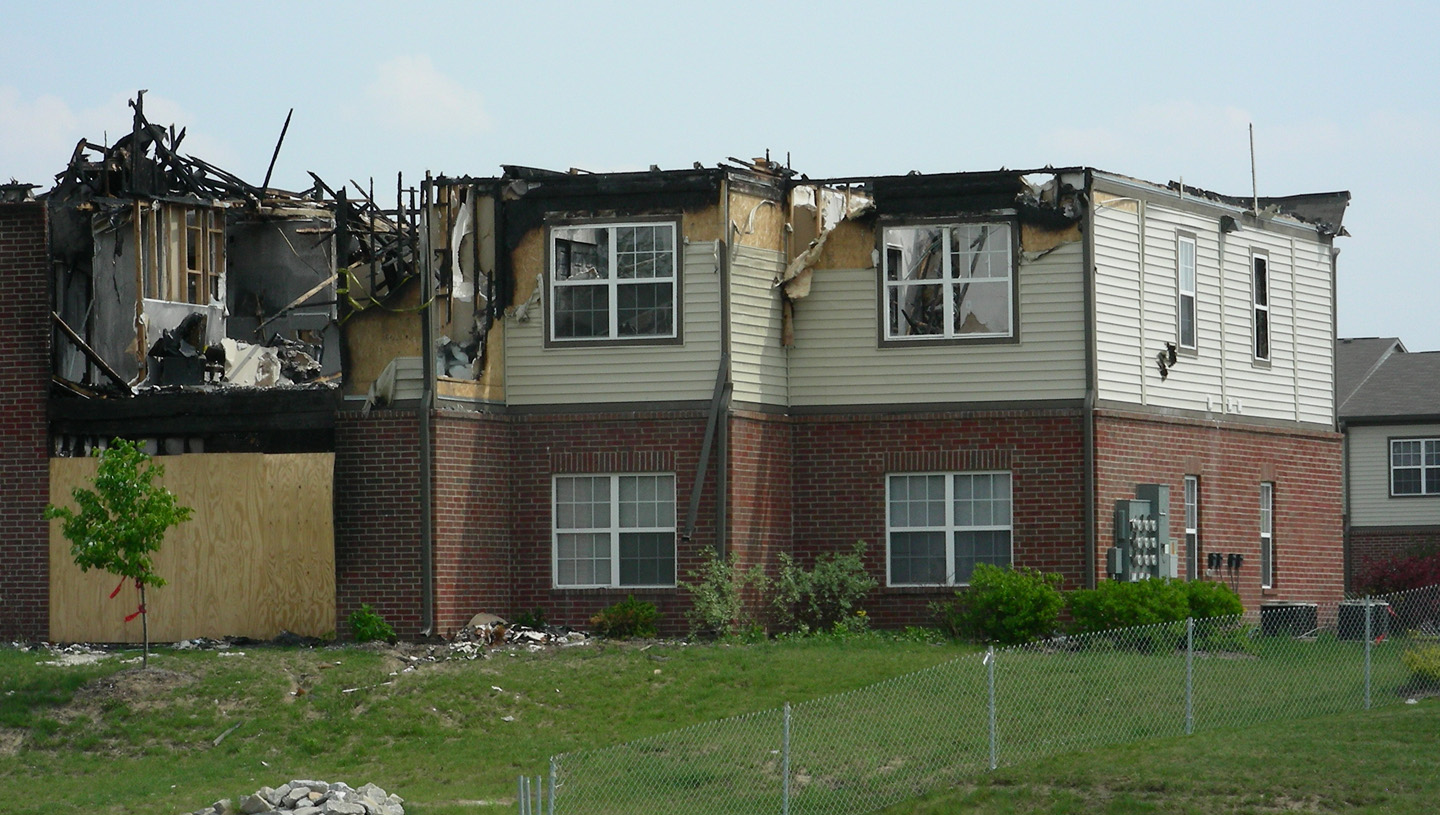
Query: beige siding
[1369, 479]
[1221, 375]
[836, 359]
[758, 367]
[536, 375]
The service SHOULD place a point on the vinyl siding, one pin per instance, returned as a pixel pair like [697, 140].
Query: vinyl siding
[1369, 479]
[536, 375]
[1221, 375]
[758, 363]
[836, 358]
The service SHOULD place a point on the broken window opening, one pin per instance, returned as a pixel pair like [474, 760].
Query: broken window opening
[616, 281]
[954, 281]
[182, 252]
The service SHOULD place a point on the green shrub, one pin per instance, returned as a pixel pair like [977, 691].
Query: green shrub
[627, 618]
[815, 599]
[1115, 604]
[367, 625]
[1423, 662]
[1003, 605]
[1209, 599]
[718, 592]
[534, 618]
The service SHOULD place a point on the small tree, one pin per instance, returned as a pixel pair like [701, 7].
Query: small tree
[122, 521]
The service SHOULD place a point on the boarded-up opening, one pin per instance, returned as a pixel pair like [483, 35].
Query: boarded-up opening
[256, 558]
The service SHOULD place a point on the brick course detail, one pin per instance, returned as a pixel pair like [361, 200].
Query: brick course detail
[24, 389]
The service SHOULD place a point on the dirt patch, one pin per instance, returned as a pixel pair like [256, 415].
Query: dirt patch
[133, 686]
[10, 741]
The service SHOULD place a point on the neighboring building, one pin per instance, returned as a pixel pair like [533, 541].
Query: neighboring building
[559, 389]
[1390, 415]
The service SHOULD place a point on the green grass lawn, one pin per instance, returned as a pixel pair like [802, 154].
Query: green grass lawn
[638, 728]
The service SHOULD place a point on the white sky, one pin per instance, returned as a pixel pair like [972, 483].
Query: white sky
[1341, 98]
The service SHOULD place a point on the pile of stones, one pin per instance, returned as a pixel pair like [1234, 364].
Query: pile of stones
[311, 798]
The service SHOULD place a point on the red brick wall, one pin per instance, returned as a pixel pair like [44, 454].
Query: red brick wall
[1231, 462]
[24, 389]
[545, 445]
[840, 465]
[472, 504]
[1369, 543]
[377, 518]
[760, 487]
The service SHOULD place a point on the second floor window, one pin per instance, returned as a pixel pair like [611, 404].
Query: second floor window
[949, 281]
[1415, 467]
[613, 282]
[1261, 268]
[1185, 274]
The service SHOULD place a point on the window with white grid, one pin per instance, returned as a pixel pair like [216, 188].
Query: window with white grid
[613, 282]
[940, 525]
[1267, 535]
[1192, 527]
[949, 281]
[614, 531]
[1415, 466]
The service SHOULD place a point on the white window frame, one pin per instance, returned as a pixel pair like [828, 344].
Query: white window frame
[949, 527]
[1427, 451]
[1262, 331]
[1192, 527]
[1185, 299]
[613, 283]
[1267, 534]
[613, 529]
[947, 283]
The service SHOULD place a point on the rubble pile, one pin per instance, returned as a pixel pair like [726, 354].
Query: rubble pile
[312, 798]
[489, 631]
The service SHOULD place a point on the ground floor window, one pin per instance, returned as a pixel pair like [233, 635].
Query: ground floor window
[1267, 535]
[1192, 527]
[939, 525]
[614, 531]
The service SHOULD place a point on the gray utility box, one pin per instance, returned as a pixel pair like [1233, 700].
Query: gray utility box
[1290, 619]
[1350, 623]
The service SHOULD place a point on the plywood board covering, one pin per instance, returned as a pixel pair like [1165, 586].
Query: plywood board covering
[256, 558]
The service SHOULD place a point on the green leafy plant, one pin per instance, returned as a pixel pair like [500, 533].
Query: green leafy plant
[1004, 605]
[718, 592]
[627, 618]
[1423, 662]
[1208, 599]
[815, 599]
[1115, 604]
[368, 626]
[121, 523]
[534, 618]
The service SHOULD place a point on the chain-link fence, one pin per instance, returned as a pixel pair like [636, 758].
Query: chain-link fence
[860, 751]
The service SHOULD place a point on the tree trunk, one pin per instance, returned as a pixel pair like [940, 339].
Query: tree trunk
[144, 630]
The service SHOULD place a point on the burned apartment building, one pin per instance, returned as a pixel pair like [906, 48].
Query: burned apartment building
[558, 389]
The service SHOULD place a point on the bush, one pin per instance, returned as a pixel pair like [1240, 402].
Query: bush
[1209, 599]
[817, 599]
[367, 625]
[534, 618]
[717, 596]
[1116, 604]
[1423, 661]
[1413, 569]
[627, 618]
[1006, 606]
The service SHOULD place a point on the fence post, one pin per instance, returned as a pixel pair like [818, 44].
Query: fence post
[785, 764]
[1368, 641]
[522, 796]
[990, 681]
[1189, 675]
[551, 811]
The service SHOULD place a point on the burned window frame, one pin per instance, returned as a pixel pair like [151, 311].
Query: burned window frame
[947, 225]
[613, 531]
[182, 251]
[614, 336]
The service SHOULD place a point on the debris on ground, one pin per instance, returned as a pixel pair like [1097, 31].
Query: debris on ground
[312, 798]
